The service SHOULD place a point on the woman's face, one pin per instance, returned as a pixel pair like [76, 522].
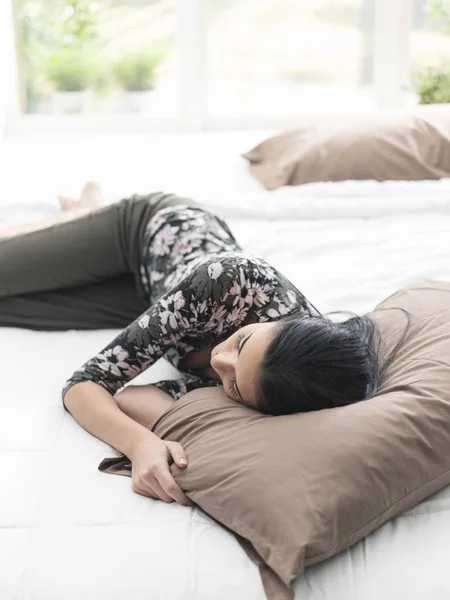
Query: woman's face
[237, 360]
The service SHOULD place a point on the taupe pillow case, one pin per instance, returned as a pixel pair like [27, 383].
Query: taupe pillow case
[396, 146]
[299, 489]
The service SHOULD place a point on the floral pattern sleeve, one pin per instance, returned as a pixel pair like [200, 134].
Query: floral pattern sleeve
[216, 296]
[177, 388]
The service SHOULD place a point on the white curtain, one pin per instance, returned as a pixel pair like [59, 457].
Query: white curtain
[8, 87]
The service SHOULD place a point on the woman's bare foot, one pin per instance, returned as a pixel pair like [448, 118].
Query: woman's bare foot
[72, 208]
[90, 197]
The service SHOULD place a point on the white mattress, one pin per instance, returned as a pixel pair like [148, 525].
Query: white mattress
[68, 531]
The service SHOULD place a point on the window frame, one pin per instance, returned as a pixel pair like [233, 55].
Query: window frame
[391, 81]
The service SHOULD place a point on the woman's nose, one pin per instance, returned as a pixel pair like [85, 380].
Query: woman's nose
[222, 361]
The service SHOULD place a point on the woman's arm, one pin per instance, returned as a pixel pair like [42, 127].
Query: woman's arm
[178, 314]
[143, 403]
[146, 403]
[96, 411]
[88, 394]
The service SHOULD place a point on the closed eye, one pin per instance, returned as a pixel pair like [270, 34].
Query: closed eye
[233, 386]
[232, 382]
[239, 339]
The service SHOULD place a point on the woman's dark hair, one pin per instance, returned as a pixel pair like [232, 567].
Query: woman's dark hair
[314, 363]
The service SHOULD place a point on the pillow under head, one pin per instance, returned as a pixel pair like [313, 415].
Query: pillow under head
[298, 489]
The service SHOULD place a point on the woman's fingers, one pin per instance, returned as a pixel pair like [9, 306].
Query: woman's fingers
[177, 453]
[150, 487]
[161, 493]
[151, 472]
[156, 491]
[143, 492]
[168, 484]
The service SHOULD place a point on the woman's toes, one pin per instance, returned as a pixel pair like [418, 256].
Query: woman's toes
[91, 194]
[68, 203]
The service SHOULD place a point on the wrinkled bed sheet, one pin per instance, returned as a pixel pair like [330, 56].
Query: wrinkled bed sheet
[68, 531]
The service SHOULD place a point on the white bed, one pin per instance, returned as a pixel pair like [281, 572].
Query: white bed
[68, 531]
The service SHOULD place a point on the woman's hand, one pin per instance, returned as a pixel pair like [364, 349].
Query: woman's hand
[151, 476]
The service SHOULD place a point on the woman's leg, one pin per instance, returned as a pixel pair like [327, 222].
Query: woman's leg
[35, 226]
[72, 208]
[81, 274]
[47, 259]
[110, 304]
[82, 249]
[104, 243]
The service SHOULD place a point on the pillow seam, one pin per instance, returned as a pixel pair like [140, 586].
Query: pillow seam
[248, 530]
[382, 513]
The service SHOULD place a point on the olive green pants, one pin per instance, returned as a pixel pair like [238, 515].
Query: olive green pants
[80, 274]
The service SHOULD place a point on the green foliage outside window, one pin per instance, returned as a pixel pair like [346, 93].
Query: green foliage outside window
[55, 36]
[72, 69]
[61, 48]
[439, 11]
[136, 71]
[79, 23]
[432, 83]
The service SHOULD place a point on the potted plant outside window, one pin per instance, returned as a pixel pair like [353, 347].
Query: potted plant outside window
[135, 73]
[72, 70]
[432, 84]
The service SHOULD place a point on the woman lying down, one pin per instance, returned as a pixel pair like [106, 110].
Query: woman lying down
[172, 274]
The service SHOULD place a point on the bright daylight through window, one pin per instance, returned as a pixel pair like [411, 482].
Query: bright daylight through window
[107, 56]
[203, 61]
[268, 57]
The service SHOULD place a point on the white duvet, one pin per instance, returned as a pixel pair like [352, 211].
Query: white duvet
[69, 532]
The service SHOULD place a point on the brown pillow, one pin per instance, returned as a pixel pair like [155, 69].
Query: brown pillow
[396, 146]
[299, 489]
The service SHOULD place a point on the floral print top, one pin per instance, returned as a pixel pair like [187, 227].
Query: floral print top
[202, 287]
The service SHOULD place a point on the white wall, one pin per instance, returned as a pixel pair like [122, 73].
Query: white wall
[8, 89]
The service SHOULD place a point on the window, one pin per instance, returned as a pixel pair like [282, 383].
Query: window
[196, 64]
[430, 39]
[97, 57]
[271, 57]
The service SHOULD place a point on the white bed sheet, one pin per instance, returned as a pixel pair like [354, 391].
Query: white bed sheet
[69, 531]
